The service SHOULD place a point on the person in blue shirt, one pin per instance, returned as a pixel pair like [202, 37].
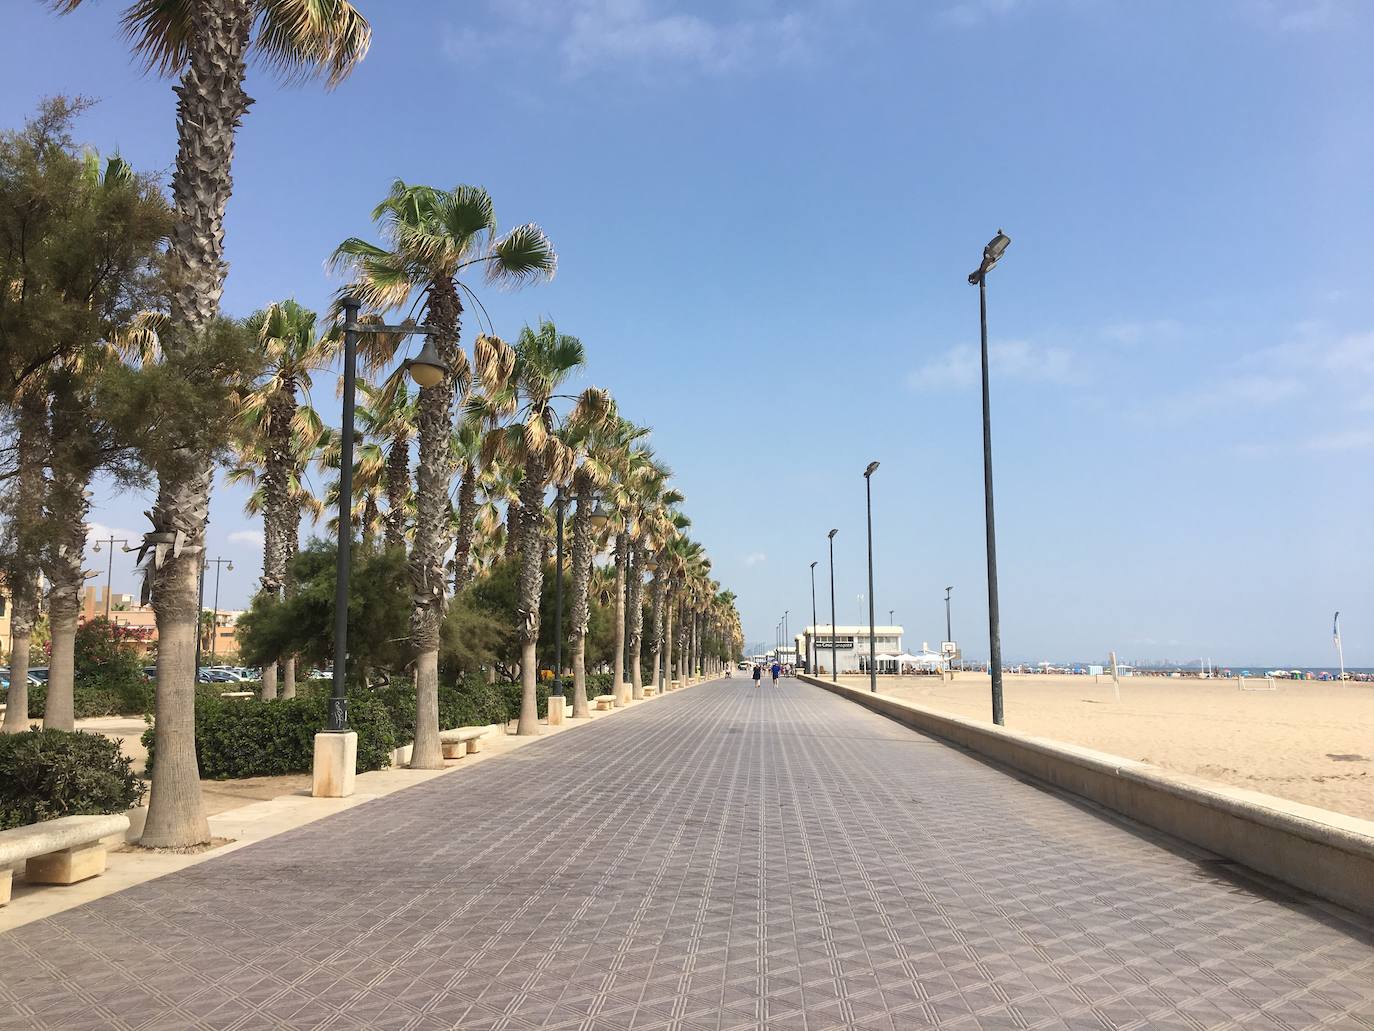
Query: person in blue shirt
[776, 670]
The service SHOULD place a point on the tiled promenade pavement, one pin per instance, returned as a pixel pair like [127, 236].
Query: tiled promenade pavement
[722, 858]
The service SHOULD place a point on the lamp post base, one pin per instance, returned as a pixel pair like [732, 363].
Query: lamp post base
[557, 709]
[336, 764]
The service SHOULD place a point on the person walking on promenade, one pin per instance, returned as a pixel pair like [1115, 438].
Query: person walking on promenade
[758, 675]
[777, 668]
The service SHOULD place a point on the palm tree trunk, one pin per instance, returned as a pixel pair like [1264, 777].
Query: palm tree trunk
[512, 528]
[397, 485]
[670, 604]
[660, 585]
[581, 607]
[622, 550]
[531, 544]
[21, 570]
[635, 601]
[467, 521]
[432, 525]
[210, 104]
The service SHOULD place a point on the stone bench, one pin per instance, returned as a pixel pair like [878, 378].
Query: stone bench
[649, 692]
[61, 851]
[237, 694]
[463, 741]
[604, 702]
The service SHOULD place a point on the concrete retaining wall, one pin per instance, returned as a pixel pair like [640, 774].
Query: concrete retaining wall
[1319, 851]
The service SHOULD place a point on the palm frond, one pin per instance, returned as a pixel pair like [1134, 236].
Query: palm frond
[522, 256]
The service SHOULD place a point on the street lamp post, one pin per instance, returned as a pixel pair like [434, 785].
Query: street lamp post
[426, 369]
[811, 656]
[834, 668]
[872, 644]
[991, 253]
[786, 630]
[109, 572]
[560, 508]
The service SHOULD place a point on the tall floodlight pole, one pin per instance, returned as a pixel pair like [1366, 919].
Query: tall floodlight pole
[427, 369]
[560, 507]
[811, 652]
[979, 277]
[214, 622]
[949, 633]
[110, 542]
[786, 628]
[872, 644]
[834, 667]
[1340, 652]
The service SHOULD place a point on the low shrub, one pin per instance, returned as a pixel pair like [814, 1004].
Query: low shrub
[471, 702]
[45, 774]
[251, 738]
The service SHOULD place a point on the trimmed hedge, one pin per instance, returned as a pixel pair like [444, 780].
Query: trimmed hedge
[252, 738]
[45, 774]
[247, 737]
[98, 698]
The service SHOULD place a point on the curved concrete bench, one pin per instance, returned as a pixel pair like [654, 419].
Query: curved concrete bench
[61, 851]
[463, 741]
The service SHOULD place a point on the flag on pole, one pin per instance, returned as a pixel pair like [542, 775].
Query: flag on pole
[1336, 629]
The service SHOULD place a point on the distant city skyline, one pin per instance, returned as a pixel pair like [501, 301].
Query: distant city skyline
[765, 214]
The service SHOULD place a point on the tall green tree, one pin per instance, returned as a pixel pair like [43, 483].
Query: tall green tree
[80, 248]
[433, 240]
[205, 44]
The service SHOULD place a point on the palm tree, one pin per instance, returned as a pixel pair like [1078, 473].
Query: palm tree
[281, 512]
[206, 44]
[522, 384]
[674, 525]
[386, 417]
[467, 453]
[278, 437]
[652, 500]
[434, 237]
[594, 447]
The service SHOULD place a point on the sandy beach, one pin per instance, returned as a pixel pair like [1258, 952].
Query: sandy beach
[1306, 741]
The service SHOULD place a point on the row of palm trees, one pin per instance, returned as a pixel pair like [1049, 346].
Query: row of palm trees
[432, 239]
[515, 437]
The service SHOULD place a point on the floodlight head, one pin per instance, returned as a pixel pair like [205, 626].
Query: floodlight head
[813, 565]
[992, 253]
[872, 468]
[832, 533]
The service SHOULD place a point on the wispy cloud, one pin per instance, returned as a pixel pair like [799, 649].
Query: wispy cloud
[969, 13]
[754, 558]
[1149, 331]
[246, 537]
[1297, 15]
[1338, 368]
[1011, 359]
[589, 35]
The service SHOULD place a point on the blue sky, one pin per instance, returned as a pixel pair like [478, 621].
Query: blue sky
[765, 214]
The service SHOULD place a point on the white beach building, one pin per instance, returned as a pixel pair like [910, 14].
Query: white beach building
[850, 645]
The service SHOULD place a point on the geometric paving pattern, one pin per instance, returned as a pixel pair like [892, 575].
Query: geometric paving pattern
[728, 857]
